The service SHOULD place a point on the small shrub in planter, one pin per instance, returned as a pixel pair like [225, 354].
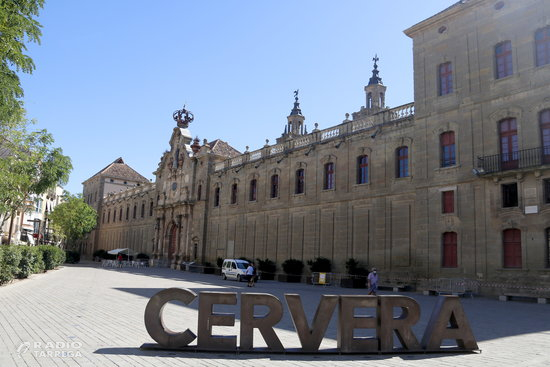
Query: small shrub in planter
[320, 265]
[357, 275]
[72, 257]
[208, 268]
[100, 254]
[267, 269]
[293, 269]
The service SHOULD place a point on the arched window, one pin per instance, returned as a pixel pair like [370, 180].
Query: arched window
[503, 59]
[362, 169]
[547, 241]
[151, 208]
[253, 190]
[402, 164]
[542, 45]
[274, 186]
[544, 121]
[448, 152]
[300, 181]
[127, 212]
[511, 248]
[509, 145]
[234, 191]
[142, 210]
[103, 219]
[369, 100]
[120, 215]
[199, 192]
[134, 213]
[449, 250]
[217, 197]
[328, 182]
[445, 78]
[109, 216]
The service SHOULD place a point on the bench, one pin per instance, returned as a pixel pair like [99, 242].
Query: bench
[453, 286]
[394, 287]
[509, 296]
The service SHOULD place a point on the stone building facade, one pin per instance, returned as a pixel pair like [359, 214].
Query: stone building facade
[456, 184]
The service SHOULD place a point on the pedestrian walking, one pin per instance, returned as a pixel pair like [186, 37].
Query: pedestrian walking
[372, 282]
[251, 274]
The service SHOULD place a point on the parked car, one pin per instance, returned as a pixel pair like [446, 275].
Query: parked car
[234, 269]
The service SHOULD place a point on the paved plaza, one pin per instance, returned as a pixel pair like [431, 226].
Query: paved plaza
[85, 315]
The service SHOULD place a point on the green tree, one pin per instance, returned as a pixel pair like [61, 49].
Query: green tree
[73, 219]
[30, 166]
[17, 27]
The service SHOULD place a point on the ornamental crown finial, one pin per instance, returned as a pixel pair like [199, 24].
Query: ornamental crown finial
[183, 117]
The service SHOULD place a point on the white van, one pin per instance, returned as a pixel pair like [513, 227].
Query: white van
[234, 269]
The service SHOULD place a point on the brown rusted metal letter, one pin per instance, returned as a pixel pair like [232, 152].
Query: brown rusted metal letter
[153, 318]
[263, 323]
[311, 338]
[410, 314]
[347, 322]
[448, 310]
[208, 318]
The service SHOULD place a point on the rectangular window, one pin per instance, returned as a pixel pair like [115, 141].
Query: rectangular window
[448, 201]
[548, 247]
[274, 186]
[234, 190]
[542, 44]
[217, 197]
[402, 162]
[510, 195]
[300, 180]
[546, 188]
[445, 78]
[329, 176]
[544, 122]
[449, 256]
[253, 190]
[503, 58]
[509, 144]
[362, 169]
[448, 153]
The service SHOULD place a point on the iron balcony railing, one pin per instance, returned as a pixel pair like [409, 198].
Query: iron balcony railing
[521, 159]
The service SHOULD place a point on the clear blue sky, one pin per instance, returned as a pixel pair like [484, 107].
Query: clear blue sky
[111, 73]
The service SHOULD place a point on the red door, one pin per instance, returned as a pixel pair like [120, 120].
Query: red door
[509, 147]
[512, 248]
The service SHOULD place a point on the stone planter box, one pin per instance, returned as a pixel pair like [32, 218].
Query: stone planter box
[353, 283]
[289, 278]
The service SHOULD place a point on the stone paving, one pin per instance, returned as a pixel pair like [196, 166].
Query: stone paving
[85, 315]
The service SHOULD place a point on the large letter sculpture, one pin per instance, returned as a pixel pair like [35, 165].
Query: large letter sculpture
[153, 318]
